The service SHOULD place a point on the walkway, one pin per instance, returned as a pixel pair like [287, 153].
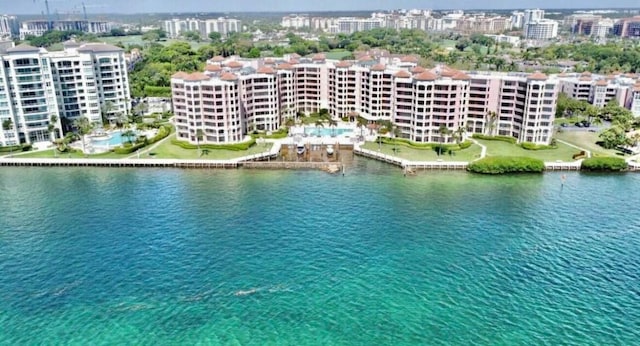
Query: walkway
[575, 146]
[483, 153]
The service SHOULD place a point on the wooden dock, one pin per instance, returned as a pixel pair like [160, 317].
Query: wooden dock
[119, 163]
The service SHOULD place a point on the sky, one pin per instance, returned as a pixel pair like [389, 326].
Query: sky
[294, 6]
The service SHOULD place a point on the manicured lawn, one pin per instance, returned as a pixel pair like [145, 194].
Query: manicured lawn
[587, 140]
[412, 154]
[166, 150]
[500, 148]
[337, 54]
[49, 154]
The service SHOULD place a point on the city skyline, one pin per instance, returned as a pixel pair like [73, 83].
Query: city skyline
[149, 6]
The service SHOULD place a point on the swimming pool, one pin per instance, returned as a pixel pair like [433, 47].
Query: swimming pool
[115, 139]
[321, 131]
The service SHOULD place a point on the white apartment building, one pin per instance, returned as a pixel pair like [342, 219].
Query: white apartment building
[541, 30]
[513, 40]
[39, 27]
[295, 22]
[234, 97]
[175, 27]
[8, 26]
[28, 101]
[91, 80]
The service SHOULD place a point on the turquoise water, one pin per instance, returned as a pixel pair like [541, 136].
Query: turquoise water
[115, 140]
[320, 131]
[126, 256]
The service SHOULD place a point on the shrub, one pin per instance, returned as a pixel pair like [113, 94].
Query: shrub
[282, 133]
[235, 147]
[506, 164]
[128, 149]
[604, 164]
[533, 146]
[495, 138]
[15, 148]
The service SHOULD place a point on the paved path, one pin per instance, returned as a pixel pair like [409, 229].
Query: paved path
[483, 153]
[575, 146]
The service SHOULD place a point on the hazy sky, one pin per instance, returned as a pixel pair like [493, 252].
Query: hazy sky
[136, 6]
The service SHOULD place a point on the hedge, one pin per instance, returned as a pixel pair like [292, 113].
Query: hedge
[533, 146]
[15, 148]
[506, 164]
[235, 147]
[282, 133]
[604, 164]
[128, 149]
[494, 138]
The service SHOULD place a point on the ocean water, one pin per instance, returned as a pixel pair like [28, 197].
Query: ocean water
[167, 257]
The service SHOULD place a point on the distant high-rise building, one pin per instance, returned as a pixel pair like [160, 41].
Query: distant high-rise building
[295, 22]
[627, 27]
[175, 27]
[39, 27]
[8, 26]
[541, 30]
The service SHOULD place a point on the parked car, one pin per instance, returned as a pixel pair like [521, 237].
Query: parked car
[578, 124]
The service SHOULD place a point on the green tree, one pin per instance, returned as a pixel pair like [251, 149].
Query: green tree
[215, 37]
[82, 128]
[491, 120]
[199, 136]
[444, 132]
[7, 125]
[613, 137]
[129, 134]
[52, 127]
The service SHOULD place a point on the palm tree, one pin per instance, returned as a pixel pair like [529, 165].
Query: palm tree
[83, 127]
[444, 131]
[7, 125]
[362, 122]
[51, 127]
[333, 124]
[128, 134]
[319, 124]
[105, 111]
[458, 134]
[635, 139]
[199, 135]
[490, 123]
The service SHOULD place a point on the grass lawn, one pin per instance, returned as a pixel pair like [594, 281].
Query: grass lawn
[587, 140]
[337, 54]
[500, 148]
[412, 154]
[166, 150]
[137, 39]
[49, 154]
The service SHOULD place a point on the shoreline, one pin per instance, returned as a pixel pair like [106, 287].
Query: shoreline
[409, 167]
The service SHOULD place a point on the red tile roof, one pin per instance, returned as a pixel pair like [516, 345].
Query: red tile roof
[196, 76]
[403, 74]
[213, 68]
[537, 76]
[179, 75]
[217, 58]
[602, 82]
[228, 76]
[343, 64]
[269, 62]
[234, 64]
[284, 66]
[318, 57]
[461, 76]
[266, 69]
[378, 67]
[426, 76]
[417, 69]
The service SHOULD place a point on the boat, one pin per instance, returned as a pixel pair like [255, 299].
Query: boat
[300, 148]
[329, 149]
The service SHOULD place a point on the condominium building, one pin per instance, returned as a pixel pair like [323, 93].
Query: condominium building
[634, 102]
[518, 105]
[175, 27]
[37, 87]
[627, 27]
[28, 101]
[233, 97]
[8, 26]
[541, 30]
[39, 27]
[91, 80]
[598, 90]
[295, 22]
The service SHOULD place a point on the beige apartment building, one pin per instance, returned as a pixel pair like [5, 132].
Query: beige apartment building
[234, 97]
